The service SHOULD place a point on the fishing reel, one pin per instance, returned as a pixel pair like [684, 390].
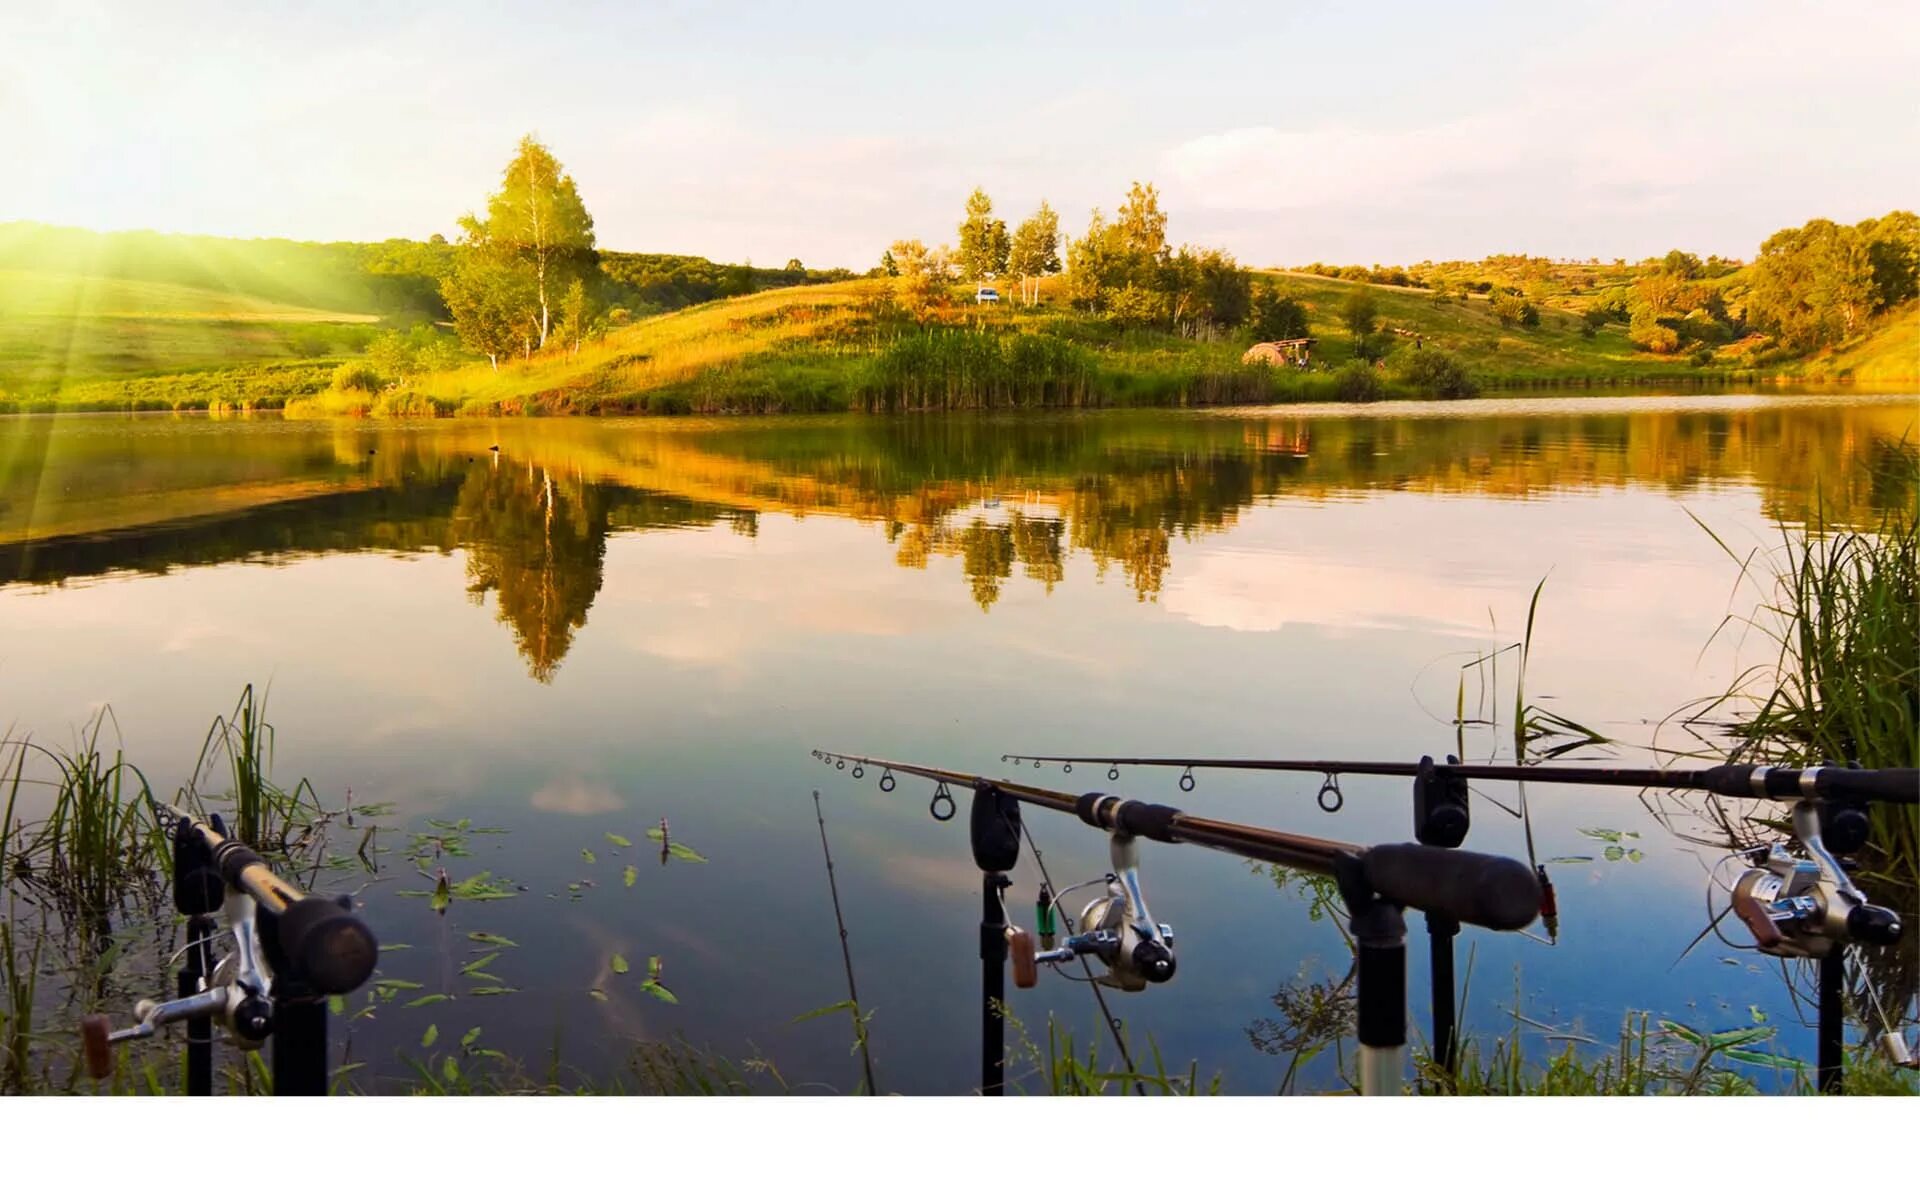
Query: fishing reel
[1805, 907]
[1117, 932]
[235, 995]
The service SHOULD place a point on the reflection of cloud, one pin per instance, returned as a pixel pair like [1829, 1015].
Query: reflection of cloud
[577, 797]
[1265, 591]
[919, 872]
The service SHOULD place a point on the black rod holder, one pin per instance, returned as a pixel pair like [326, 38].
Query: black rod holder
[1833, 1017]
[1440, 935]
[299, 1039]
[993, 984]
[193, 973]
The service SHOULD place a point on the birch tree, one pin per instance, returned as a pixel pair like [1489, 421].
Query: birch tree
[1035, 252]
[536, 229]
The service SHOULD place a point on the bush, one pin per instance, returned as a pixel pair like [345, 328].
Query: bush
[357, 377]
[1358, 383]
[1701, 356]
[1437, 373]
[1649, 334]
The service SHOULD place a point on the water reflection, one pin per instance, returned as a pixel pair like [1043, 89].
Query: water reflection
[86, 497]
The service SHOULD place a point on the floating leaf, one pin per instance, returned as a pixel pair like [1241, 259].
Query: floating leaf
[619, 965]
[1615, 854]
[336, 1004]
[1755, 1012]
[469, 1037]
[653, 966]
[653, 987]
[1602, 835]
[492, 991]
[430, 998]
[597, 994]
[406, 985]
[450, 1069]
[442, 894]
[1572, 858]
[491, 939]
[483, 887]
[630, 874]
[617, 840]
[676, 849]
[397, 945]
[587, 854]
[431, 1036]
[1636, 855]
[479, 964]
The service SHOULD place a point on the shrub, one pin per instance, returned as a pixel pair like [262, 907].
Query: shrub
[357, 377]
[1650, 334]
[1437, 373]
[1357, 383]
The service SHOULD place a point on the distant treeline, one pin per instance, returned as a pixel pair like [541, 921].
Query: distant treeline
[663, 282]
[1810, 287]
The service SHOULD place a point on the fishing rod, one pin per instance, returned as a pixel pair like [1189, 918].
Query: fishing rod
[1844, 785]
[290, 952]
[1796, 905]
[1132, 950]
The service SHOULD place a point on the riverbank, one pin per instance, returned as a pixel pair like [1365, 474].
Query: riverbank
[848, 347]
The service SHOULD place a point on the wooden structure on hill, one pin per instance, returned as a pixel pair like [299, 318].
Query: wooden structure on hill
[1293, 352]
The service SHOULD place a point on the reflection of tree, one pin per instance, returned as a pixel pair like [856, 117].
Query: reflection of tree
[1037, 543]
[539, 542]
[986, 552]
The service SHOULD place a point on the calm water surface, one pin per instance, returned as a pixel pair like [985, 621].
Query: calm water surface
[603, 624]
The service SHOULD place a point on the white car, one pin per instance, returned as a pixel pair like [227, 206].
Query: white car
[986, 295]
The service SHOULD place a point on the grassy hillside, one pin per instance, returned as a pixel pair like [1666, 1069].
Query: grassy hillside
[846, 345]
[71, 340]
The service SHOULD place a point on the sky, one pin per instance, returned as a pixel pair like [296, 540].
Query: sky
[1376, 133]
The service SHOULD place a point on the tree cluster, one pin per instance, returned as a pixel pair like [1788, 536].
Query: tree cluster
[1124, 269]
[1819, 283]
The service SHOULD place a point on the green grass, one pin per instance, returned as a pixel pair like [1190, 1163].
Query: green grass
[64, 334]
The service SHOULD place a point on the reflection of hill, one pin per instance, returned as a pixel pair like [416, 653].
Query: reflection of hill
[81, 497]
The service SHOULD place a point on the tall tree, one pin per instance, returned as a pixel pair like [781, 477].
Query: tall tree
[1142, 226]
[983, 239]
[1035, 252]
[537, 228]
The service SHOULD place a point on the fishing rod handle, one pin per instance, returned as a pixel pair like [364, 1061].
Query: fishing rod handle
[1892, 785]
[1477, 889]
[325, 945]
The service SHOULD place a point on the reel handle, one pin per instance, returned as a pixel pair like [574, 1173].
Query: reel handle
[1757, 920]
[96, 1045]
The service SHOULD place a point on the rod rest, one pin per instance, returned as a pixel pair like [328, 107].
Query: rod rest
[1476, 889]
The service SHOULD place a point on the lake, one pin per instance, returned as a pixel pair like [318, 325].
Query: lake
[571, 629]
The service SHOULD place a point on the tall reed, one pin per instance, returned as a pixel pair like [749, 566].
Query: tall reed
[98, 837]
[264, 812]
